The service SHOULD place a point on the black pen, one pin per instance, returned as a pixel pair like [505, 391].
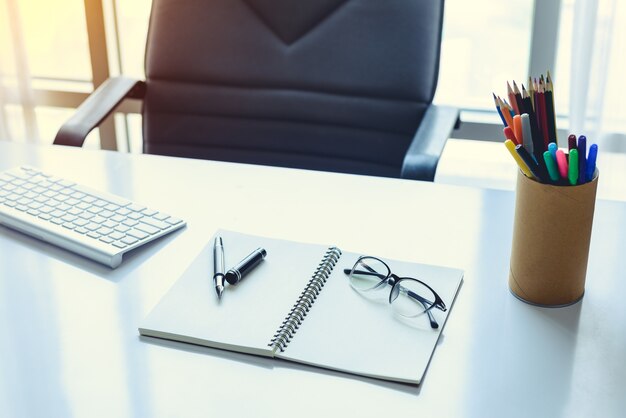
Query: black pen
[237, 273]
[218, 266]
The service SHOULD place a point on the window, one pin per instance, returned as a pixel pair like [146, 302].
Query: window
[485, 43]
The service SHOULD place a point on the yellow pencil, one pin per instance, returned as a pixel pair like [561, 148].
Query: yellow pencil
[510, 145]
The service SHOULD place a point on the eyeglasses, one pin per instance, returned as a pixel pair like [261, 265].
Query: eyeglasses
[409, 297]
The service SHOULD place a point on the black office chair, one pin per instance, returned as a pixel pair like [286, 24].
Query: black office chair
[336, 85]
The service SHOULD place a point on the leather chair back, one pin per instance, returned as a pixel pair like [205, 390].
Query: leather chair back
[337, 85]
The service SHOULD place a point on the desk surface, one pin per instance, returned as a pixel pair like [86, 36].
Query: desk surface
[69, 344]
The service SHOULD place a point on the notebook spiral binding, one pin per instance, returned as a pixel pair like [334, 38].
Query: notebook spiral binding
[306, 299]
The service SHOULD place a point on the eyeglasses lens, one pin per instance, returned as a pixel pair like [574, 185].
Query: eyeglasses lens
[410, 298]
[368, 274]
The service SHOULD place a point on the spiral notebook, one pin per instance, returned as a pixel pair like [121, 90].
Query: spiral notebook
[298, 305]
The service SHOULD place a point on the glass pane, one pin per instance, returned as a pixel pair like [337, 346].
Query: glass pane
[49, 120]
[6, 51]
[132, 23]
[135, 133]
[608, 67]
[485, 43]
[55, 37]
[15, 125]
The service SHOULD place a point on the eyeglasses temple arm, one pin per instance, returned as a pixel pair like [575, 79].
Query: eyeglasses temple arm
[427, 304]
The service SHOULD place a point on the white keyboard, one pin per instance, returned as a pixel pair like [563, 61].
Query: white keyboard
[91, 223]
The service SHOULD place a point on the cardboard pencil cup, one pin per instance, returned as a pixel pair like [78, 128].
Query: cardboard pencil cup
[551, 237]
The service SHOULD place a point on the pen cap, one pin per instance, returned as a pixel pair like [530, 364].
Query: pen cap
[551, 238]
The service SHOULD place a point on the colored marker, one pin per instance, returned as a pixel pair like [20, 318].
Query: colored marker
[527, 133]
[530, 162]
[510, 145]
[553, 170]
[582, 159]
[561, 161]
[552, 147]
[572, 173]
[591, 161]
[509, 134]
[571, 142]
[517, 129]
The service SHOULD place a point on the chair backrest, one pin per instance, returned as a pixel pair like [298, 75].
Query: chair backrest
[337, 85]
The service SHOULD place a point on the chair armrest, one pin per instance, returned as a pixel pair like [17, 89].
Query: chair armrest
[422, 157]
[97, 107]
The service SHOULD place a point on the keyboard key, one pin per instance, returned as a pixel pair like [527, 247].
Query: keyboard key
[106, 240]
[69, 225]
[135, 215]
[123, 211]
[98, 219]
[122, 228]
[92, 227]
[120, 244]
[66, 183]
[137, 234]
[104, 231]
[149, 212]
[129, 240]
[106, 213]
[86, 215]
[109, 224]
[130, 222]
[136, 208]
[93, 235]
[81, 222]
[116, 235]
[33, 212]
[81, 230]
[155, 223]
[57, 213]
[117, 218]
[45, 216]
[147, 228]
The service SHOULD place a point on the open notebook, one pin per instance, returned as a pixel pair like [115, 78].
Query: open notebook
[340, 330]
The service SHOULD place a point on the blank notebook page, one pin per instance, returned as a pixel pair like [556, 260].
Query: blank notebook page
[250, 312]
[348, 332]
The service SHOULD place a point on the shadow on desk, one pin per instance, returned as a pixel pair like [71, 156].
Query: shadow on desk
[273, 363]
[19, 246]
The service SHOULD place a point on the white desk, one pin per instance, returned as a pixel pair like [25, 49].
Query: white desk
[69, 344]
